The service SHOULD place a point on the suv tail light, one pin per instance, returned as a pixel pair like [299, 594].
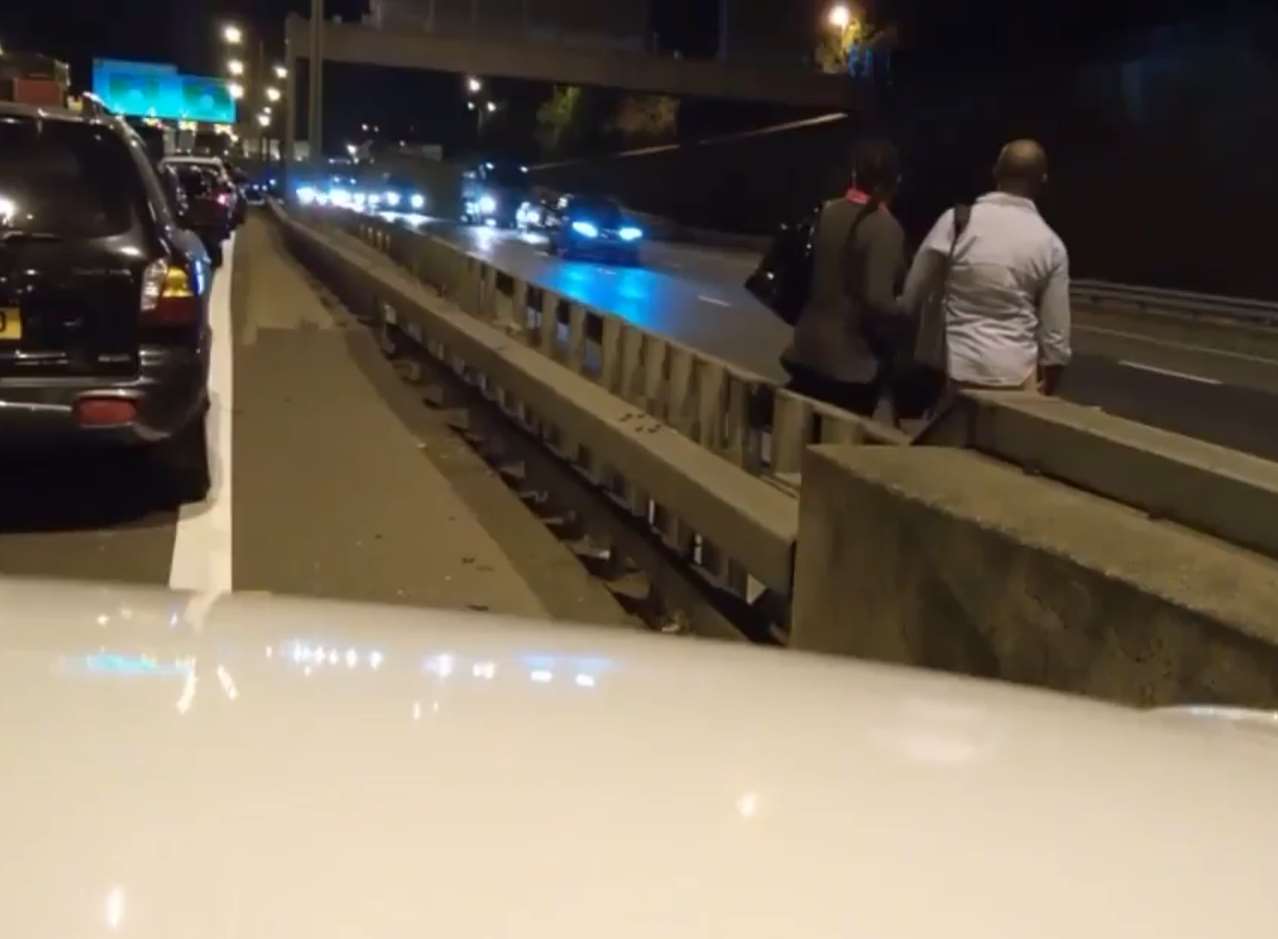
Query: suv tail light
[168, 296]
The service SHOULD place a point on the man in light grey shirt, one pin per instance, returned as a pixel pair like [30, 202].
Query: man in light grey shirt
[1006, 300]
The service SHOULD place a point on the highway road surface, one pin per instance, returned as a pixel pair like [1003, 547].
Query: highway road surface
[331, 479]
[1187, 384]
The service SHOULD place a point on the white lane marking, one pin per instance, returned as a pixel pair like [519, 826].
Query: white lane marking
[1183, 376]
[714, 300]
[202, 548]
[1180, 346]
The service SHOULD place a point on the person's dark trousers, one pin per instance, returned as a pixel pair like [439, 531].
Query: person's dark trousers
[858, 398]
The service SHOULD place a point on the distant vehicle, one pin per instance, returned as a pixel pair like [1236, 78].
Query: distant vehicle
[212, 207]
[104, 333]
[594, 227]
[226, 181]
[250, 766]
[537, 214]
[392, 193]
[492, 194]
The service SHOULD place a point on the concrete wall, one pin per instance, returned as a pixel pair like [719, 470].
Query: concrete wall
[565, 61]
[617, 23]
[948, 560]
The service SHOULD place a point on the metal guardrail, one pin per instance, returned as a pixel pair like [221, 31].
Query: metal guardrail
[701, 454]
[1255, 312]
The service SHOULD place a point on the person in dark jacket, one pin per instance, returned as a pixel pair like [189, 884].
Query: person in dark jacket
[842, 343]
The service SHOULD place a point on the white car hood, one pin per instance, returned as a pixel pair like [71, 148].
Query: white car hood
[186, 768]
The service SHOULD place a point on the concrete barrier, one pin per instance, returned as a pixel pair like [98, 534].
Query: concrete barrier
[950, 560]
[732, 524]
[1222, 492]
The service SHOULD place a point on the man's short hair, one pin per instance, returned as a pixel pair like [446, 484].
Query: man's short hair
[1022, 166]
[877, 166]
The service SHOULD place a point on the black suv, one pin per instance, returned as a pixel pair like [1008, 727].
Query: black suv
[104, 296]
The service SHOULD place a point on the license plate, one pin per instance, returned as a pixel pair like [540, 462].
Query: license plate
[10, 324]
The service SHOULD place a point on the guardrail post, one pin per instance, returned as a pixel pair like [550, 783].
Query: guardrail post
[610, 356]
[654, 376]
[549, 324]
[791, 432]
[710, 406]
[576, 357]
[519, 313]
[680, 413]
[632, 373]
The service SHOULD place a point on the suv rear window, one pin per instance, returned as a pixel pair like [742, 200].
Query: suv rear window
[196, 180]
[67, 179]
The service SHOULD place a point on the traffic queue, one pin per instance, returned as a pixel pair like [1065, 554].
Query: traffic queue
[107, 257]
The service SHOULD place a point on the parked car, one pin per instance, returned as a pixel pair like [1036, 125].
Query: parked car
[250, 766]
[594, 227]
[104, 331]
[212, 210]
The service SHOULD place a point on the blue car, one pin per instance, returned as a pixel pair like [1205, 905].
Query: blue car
[596, 228]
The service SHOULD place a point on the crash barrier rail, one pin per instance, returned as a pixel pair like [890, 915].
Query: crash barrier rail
[701, 453]
[737, 414]
[1256, 312]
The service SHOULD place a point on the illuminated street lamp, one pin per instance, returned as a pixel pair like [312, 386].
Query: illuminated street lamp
[264, 119]
[235, 67]
[233, 35]
[281, 72]
[470, 105]
[273, 94]
[840, 16]
[236, 91]
[492, 107]
[474, 85]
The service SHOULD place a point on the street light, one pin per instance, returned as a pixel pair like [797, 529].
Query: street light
[273, 94]
[264, 119]
[474, 85]
[492, 107]
[840, 16]
[470, 105]
[236, 91]
[281, 72]
[235, 67]
[233, 35]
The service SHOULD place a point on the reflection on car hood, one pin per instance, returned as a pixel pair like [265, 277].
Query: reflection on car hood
[245, 767]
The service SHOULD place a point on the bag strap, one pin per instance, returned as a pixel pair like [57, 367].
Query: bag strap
[962, 218]
[866, 211]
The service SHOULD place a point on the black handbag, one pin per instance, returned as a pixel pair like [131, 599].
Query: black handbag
[783, 280]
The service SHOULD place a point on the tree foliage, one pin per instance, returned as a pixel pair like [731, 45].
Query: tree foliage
[558, 119]
[646, 118]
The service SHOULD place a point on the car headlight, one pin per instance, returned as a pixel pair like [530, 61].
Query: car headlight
[418, 201]
[631, 233]
[586, 229]
[393, 199]
[487, 205]
[306, 194]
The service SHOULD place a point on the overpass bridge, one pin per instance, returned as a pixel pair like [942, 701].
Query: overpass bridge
[505, 56]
